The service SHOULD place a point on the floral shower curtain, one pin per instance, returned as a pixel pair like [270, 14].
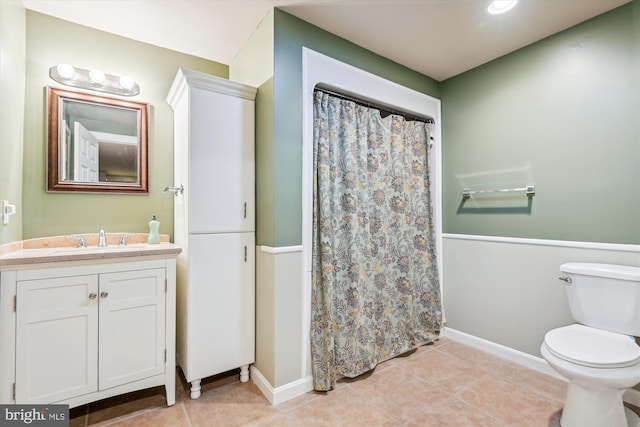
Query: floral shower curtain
[375, 286]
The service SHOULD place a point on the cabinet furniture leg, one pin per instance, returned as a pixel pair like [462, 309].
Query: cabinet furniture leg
[195, 389]
[244, 373]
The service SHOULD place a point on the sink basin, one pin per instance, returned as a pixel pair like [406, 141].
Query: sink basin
[124, 248]
[67, 250]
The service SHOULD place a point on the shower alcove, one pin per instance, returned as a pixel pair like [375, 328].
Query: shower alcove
[319, 69]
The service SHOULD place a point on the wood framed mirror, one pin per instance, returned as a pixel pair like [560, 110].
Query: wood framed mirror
[96, 144]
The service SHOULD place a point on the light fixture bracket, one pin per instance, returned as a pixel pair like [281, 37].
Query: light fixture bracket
[82, 78]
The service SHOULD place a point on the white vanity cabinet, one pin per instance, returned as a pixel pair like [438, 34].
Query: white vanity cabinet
[214, 223]
[73, 332]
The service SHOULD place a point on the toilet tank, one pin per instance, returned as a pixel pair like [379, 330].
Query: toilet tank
[604, 296]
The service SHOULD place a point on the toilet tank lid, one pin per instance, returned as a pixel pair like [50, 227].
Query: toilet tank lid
[614, 271]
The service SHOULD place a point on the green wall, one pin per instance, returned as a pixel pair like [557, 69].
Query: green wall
[51, 41]
[265, 164]
[13, 23]
[283, 213]
[563, 113]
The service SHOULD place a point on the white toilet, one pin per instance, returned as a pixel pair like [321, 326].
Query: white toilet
[599, 355]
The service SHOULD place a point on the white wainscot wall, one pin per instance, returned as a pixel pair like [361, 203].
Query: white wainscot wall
[282, 370]
[503, 294]
[500, 295]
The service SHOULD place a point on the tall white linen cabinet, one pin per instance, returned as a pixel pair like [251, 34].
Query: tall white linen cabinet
[214, 223]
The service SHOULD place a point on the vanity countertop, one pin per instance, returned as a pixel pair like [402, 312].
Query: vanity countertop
[56, 249]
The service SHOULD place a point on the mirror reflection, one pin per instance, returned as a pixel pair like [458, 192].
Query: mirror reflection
[96, 143]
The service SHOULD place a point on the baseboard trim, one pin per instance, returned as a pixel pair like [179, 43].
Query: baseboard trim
[631, 396]
[281, 394]
[516, 356]
[281, 249]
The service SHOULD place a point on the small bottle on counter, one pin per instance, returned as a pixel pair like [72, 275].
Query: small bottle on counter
[154, 226]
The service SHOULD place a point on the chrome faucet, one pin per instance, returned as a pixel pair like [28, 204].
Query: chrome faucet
[102, 238]
[123, 239]
[80, 240]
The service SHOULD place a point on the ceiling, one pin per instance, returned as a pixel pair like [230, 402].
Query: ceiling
[438, 38]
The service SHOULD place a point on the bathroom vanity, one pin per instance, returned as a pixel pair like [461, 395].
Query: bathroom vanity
[82, 324]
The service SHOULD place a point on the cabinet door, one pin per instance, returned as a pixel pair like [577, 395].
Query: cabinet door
[132, 326]
[221, 163]
[56, 338]
[221, 303]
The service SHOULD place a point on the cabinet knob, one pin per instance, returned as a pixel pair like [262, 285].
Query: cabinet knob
[104, 294]
[93, 295]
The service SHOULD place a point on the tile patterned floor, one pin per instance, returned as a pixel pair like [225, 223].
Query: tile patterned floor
[444, 384]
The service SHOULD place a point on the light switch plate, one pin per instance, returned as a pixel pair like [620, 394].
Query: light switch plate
[6, 210]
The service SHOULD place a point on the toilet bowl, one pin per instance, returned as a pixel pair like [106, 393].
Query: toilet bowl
[598, 355]
[600, 366]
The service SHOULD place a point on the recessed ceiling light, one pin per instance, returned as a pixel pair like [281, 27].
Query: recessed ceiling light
[501, 6]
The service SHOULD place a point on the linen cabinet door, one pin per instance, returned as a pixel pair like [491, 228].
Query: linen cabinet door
[132, 326]
[221, 163]
[56, 338]
[223, 302]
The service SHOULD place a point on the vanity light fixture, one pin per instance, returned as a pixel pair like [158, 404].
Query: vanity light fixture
[127, 82]
[94, 80]
[501, 6]
[97, 77]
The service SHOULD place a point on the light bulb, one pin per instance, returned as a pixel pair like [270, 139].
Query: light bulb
[127, 82]
[96, 76]
[501, 6]
[65, 71]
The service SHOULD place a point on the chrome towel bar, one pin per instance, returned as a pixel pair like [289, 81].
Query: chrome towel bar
[529, 190]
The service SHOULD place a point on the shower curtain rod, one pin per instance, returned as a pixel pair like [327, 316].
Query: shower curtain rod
[381, 107]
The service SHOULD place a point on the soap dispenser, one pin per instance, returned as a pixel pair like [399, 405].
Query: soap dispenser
[154, 225]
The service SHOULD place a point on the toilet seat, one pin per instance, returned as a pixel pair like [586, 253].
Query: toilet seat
[592, 347]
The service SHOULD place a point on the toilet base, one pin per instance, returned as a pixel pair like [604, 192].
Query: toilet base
[595, 407]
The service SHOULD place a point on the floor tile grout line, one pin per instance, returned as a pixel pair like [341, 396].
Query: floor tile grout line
[86, 415]
[186, 414]
[437, 386]
[497, 378]
[365, 397]
[536, 390]
[480, 410]
[283, 410]
[486, 375]
[140, 413]
[505, 364]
